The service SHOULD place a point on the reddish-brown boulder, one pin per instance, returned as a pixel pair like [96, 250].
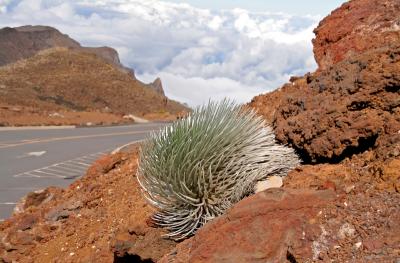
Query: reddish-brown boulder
[272, 226]
[350, 108]
[356, 27]
[352, 103]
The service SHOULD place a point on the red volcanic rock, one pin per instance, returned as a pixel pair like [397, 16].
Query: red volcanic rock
[356, 27]
[352, 102]
[356, 223]
[333, 114]
[345, 116]
[273, 226]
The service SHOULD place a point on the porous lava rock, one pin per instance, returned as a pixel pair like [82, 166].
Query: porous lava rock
[356, 27]
[351, 103]
[354, 106]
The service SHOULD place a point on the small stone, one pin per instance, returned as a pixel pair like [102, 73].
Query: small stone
[348, 189]
[329, 185]
[357, 245]
[346, 230]
[57, 214]
[271, 182]
[27, 222]
[373, 244]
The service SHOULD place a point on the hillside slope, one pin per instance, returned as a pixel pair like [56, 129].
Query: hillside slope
[26, 41]
[62, 79]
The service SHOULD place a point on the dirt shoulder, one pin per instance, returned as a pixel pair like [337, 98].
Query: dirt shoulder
[99, 217]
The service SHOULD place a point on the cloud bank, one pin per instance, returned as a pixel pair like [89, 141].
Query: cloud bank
[198, 53]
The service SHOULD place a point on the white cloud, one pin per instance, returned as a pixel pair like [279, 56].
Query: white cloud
[197, 52]
[3, 5]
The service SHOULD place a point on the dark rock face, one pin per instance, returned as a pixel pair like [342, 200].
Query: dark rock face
[26, 41]
[355, 27]
[23, 42]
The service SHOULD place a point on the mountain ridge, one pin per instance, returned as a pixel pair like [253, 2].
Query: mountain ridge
[26, 41]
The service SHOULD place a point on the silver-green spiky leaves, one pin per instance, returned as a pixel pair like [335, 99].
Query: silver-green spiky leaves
[195, 169]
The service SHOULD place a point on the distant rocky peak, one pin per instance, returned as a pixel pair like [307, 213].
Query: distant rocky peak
[157, 86]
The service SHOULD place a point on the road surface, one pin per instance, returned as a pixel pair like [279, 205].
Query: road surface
[34, 159]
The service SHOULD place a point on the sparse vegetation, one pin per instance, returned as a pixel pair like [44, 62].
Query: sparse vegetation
[195, 169]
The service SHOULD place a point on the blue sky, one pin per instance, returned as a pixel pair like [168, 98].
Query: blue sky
[304, 7]
[201, 49]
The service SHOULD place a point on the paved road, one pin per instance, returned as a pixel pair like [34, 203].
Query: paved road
[34, 159]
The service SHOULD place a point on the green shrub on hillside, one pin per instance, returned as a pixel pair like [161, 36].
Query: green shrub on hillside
[195, 169]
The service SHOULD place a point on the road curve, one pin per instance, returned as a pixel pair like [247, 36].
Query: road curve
[32, 159]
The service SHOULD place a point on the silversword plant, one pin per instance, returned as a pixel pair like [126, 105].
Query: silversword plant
[198, 167]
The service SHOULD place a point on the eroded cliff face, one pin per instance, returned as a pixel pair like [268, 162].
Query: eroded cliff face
[26, 41]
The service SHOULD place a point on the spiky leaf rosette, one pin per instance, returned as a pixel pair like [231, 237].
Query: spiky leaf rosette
[195, 169]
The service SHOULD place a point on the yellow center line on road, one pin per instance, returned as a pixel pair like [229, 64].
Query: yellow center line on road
[72, 138]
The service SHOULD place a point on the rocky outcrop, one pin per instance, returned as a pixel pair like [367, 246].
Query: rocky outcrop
[356, 27]
[334, 114]
[26, 41]
[346, 117]
[157, 86]
[351, 103]
[299, 226]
